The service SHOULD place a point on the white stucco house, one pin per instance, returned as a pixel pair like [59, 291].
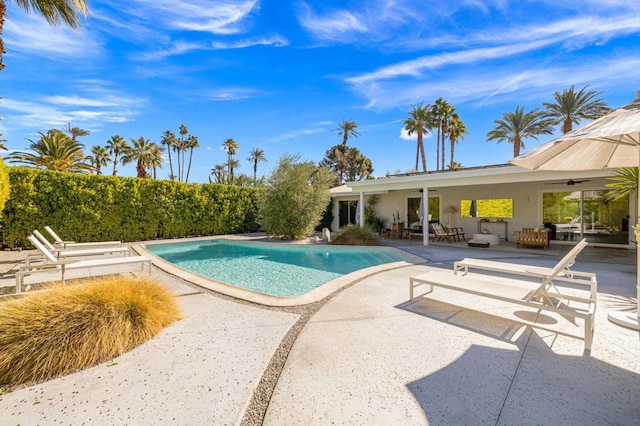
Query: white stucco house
[570, 204]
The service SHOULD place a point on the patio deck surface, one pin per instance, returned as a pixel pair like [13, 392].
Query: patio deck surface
[369, 356]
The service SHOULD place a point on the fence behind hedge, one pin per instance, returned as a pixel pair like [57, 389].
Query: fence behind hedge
[101, 208]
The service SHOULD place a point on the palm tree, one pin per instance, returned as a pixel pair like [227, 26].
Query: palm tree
[219, 172]
[518, 125]
[53, 11]
[141, 152]
[99, 158]
[169, 139]
[54, 151]
[457, 130]
[347, 128]
[419, 121]
[455, 166]
[231, 147]
[155, 159]
[181, 148]
[191, 144]
[116, 147]
[256, 156]
[624, 183]
[571, 107]
[441, 111]
[232, 165]
[76, 132]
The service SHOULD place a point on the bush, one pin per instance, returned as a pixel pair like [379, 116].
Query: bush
[65, 329]
[102, 208]
[4, 185]
[353, 235]
[296, 196]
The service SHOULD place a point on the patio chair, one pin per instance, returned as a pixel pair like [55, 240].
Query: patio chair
[71, 252]
[520, 292]
[53, 264]
[457, 230]
[564, 273]
[68, 244]
[440, 233]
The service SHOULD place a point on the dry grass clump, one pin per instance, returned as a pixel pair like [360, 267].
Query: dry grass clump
[353, 235]
[65, 329]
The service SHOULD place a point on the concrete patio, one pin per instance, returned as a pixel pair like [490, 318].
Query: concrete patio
[368, 356]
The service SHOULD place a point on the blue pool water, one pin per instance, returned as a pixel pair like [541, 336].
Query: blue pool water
[271, 268]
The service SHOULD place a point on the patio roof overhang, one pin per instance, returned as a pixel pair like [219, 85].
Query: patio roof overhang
[488, 175]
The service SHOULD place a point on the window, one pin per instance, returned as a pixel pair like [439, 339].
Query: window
[413, 209]
[500, 208]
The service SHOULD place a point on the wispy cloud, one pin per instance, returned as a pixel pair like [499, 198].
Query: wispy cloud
[315, 128]
[91, 110]
[31, 34]
[230, 94]
[274, 40]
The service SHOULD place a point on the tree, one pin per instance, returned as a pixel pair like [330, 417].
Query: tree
[53, 11]
[347, 163]
[231, 147]
[347, 128]
[455, 166]
[181, 148]
[54, 151]
[419, 121]
[76, 132]
[256, 156]
[155, 159]
[219, 173]
[142, 152]
[295, 198]
[169, 139]
[624, 183]
[516, 126]
[191, 143]
[571, 107]
[99, 158]
[457, 130]
[117, 146]
[442, 112]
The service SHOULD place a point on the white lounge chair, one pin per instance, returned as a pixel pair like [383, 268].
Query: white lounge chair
[62, 253]
[565, 274]
[69, 244]
[521, 292]
[52, 264]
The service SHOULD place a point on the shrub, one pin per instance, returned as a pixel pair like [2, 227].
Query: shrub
[296, 196]
[67, 328]
[4, 185]
[353, 235]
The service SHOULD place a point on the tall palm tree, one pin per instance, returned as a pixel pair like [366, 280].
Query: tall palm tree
[99, 158]
[518, 125]
[570, 107]
[169, 139]
[232, 165]
[419, 121]
[54, 12]
[441, 111]
[457, 130]
[191, 143]
[256, 155]
[141, 152]
[54, 151]
[346, 129]
[117, 146]
[231, 147]
[181, 148]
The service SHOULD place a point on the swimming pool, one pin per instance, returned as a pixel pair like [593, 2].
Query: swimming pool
[283, 270]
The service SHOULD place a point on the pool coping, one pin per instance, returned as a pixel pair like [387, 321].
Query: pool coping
[311, 296]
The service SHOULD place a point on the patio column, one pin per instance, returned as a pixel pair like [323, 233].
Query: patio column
[425, 216]
[361, 209]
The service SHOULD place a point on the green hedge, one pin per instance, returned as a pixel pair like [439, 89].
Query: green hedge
[102, 208]
[4, 184]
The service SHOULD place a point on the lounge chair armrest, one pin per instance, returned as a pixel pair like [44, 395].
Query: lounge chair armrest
[49, 265]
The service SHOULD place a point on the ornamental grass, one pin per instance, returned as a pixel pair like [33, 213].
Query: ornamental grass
[67, 328]
[354, 235]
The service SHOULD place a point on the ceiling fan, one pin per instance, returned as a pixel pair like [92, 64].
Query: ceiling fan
[570, 182]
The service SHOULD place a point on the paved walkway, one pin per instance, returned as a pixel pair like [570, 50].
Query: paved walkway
[368, 357]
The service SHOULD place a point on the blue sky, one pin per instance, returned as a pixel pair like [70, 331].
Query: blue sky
[281, 76]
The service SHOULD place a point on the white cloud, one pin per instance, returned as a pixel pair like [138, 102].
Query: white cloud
[230, 94]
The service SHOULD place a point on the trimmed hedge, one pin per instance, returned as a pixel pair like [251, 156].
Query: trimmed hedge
[102, 208]
[4, 184]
